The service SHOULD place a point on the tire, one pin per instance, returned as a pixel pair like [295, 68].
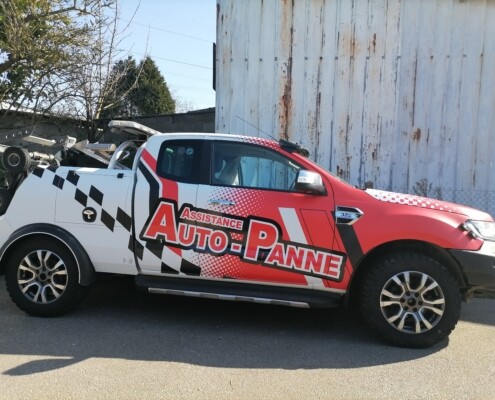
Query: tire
[410, 300]
[16, 160]
[42, 278]
[5, 199]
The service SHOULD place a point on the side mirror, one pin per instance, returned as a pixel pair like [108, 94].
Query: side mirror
[310, 182]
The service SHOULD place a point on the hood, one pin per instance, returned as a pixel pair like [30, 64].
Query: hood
[427, 203]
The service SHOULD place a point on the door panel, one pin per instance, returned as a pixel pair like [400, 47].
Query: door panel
[276, 243]
[285, 237]
[247, 224]
[166, 180]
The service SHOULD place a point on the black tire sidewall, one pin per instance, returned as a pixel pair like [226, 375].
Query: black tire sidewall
[24, 160]
[73, 292]
[395, 263]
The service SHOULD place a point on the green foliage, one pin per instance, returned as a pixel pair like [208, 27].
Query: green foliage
[138, 90]
[152, 95]
[124, 78]
[40, 39]
[56, 56]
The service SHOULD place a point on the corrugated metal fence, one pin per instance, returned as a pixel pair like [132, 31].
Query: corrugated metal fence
[389, 93]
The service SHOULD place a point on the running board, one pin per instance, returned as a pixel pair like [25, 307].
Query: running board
[236, 291]
[229, 297]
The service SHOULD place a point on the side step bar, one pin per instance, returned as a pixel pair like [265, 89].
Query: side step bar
[235, 291]
[229, 297]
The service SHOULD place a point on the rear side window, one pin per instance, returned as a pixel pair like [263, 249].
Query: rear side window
[179, 160]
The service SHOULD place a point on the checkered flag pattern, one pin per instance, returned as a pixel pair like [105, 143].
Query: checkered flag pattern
[110, 219]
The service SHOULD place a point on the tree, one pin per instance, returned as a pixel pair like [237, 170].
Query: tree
[138, 90]
[125, 73]
[41, 41]
[61, 56]
[151, 95]
[56, 57]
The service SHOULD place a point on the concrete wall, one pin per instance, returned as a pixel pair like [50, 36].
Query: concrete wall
[15, 124]
[193, 121]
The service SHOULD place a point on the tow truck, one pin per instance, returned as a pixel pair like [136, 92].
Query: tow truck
[239, 218]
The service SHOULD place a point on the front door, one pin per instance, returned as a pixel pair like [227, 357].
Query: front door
[257, 228]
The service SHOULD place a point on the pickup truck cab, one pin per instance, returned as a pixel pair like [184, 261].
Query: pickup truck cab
[243, 218]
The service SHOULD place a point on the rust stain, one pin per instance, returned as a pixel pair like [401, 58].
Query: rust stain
[317, 118]
[417, 134]
[286, 99]
[347, 175]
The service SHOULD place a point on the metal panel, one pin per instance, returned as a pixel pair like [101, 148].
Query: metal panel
[398, 94]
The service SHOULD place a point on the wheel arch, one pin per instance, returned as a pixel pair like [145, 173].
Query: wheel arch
[85, 267]
[437, 253]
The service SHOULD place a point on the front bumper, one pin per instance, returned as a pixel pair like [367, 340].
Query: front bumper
[478, 266]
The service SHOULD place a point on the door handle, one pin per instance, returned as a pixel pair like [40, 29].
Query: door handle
[221, 202]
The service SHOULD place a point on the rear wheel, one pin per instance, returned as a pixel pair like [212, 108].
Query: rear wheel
[410, 300]
[42, 278]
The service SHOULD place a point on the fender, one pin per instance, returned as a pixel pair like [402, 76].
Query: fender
[85, 267]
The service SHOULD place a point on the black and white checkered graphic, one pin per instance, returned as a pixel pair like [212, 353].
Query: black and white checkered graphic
[109, 220]
[157, 248]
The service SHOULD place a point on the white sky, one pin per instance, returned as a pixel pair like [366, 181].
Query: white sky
[178, 35]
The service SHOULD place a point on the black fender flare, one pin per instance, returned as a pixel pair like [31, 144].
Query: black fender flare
[85, 267]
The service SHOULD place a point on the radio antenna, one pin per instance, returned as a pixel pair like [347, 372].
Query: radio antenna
[255, 127]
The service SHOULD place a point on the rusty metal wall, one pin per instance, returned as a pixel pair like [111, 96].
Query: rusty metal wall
[393, 93]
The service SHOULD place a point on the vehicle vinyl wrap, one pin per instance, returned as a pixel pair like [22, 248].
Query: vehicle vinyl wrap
[213, 233]
[253, 248]
[412, 200]
[108, 237]
[109, 218]
[281, 249]
[302, 220]
[172, 260]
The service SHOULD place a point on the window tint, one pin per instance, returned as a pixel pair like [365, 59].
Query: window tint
[179, 160]
[236, 164]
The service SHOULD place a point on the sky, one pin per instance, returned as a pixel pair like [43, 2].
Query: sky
[178, 35]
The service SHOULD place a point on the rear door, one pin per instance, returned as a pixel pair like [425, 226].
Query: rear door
[166, 180]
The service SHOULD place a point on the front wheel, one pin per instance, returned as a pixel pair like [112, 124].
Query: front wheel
[42, 278]
[410, 300]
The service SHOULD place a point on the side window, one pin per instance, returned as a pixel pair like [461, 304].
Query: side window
[246, 165]
[179, 160]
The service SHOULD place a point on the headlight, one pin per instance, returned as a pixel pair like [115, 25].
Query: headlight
[480, 229]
